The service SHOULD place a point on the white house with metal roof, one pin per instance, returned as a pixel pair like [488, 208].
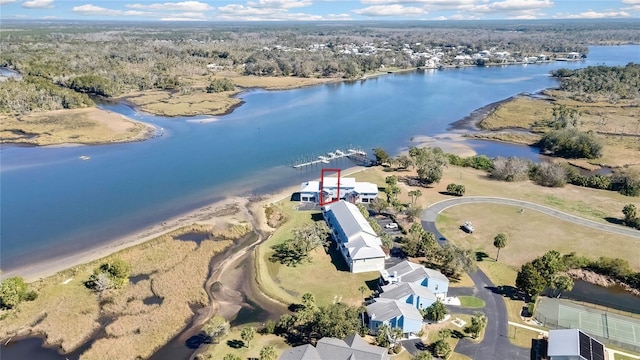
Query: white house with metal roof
[351, 348]
[395, 314]
[350, 189]
[358, 243]
[408, 272]
[573, 344]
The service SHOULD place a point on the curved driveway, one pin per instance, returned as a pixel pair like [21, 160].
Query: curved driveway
[430, 214]
[495, 344]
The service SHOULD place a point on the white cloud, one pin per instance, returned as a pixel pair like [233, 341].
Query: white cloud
[236, 12]
[51, 17]
[174, 6]
[512, 5]
[38, 4]
[524, 17]
[180, 19]
[3, 2]
[594, 15]
[390, 10]
[89, 9]
[93, 10]
[241, 10]
[428, 4]
[631, 2]
[280, 4]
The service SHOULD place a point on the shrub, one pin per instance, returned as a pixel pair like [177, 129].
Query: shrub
[510, 169]
[548, 174]
[12, 292]
[626, 182]
[455, 189]
[220, 85]
[112, 274]
[571, 143]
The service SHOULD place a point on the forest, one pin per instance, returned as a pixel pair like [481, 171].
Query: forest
[62, 62]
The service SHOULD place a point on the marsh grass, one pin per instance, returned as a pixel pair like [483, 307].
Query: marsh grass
[86, 126]
[168, 103]
[69, 314]
[618, 124]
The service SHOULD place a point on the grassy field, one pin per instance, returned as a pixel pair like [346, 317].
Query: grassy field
[608, 120]
[84, 126]
[471, 302]
[169, 274]
[324, 276]
[521, 337]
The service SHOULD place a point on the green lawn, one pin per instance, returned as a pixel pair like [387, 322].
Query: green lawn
[472, 302]
[617, 356]
[233, 344]
[326, 276]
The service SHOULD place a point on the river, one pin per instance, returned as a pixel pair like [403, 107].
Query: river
[54, 204]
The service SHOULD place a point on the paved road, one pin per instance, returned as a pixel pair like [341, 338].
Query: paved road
[430, 214]
[495, 344]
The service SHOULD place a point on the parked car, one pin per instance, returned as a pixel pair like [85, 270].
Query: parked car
[468, 227]
[391, 226]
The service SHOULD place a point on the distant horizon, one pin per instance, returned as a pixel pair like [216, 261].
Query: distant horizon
[316, 10]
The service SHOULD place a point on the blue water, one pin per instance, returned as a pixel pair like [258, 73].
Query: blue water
[52, 203]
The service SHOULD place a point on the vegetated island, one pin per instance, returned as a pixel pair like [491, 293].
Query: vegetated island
[591, 120]
[184, 70]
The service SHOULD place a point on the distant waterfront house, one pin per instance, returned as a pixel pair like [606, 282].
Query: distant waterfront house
[357, 242]
[350, 190]
[351, 348]
[395, 314]
[408, 272]
[573, 344]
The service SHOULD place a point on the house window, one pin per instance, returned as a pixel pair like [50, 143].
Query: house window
[364, 200]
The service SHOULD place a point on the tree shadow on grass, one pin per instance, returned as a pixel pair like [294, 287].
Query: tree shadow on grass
[613, 220]
[457, 334]
[481, 255]
[235, 343]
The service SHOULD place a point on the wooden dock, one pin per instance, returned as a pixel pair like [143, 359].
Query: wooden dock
[332, 155]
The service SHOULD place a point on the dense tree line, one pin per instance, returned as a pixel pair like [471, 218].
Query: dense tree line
[548, 270]
[609, 82]
[114, 59]
[571, 143]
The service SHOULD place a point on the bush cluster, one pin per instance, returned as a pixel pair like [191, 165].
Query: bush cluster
[220, 85]
[571, 143]
[456, 189]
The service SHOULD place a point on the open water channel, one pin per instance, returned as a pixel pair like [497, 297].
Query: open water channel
[54, 204]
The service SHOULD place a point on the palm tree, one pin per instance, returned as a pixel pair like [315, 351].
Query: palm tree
[247, 334]
[415, 194]
[499, 242]
[363, 289]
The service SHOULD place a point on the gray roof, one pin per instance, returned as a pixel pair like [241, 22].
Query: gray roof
[350, 218]
[401, 290]
[410, 272]
[351, 348]
[302, 352]
[387, 309]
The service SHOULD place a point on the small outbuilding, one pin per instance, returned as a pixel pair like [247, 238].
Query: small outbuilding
[573, 344]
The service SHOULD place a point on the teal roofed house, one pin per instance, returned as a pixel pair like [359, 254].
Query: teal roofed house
[408, 272]
[417, 295]
[395, 314]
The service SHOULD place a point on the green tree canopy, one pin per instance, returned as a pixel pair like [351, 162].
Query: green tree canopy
[247, 334]
[429, 163]
[500, 241]
[12, 292]
[215, 328]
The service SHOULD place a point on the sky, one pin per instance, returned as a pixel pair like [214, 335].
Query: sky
[317, 10]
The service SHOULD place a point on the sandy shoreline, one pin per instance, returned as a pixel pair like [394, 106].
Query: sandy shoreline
[205, 215]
